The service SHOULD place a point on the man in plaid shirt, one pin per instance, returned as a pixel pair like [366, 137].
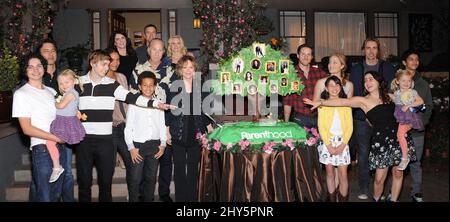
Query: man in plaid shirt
[308, 76]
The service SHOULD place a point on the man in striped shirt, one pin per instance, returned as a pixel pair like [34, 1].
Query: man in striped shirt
[97, 104]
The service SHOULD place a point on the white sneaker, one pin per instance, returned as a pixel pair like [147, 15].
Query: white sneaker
[363, 196]
[55, 174]
[403, 164]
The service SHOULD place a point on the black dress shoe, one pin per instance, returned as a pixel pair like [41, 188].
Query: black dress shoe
[165, 198]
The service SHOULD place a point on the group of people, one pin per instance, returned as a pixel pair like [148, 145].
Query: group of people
[102, 115]
[122, 106]
[384, 127]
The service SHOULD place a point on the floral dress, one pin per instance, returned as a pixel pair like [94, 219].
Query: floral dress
[336, 138]
[385, 150]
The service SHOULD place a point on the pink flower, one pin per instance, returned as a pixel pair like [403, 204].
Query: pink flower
[289, 144]
[199, 135]
[204, 142]
[244, 144]
[268, 147]
[217, 145]
[306, 129]
[312, 140]
[315, 133]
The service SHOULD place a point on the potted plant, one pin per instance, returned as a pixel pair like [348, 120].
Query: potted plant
[9, 78]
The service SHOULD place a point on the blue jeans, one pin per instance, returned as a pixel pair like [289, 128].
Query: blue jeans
[305, 121]
[415, 167]
[68, 183]
[361, 138]
[41, 169]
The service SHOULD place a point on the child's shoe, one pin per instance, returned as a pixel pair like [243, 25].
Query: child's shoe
[403, 164]
[55, 174]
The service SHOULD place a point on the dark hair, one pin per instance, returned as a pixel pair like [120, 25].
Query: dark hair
[370, 39]
[111, 45]
[38, 47]
[110, 51]
[382, 88]
[409, 52]
[326, 95]
[150, 25]
[146, 74]
[27, 60]
[405, 56]
[300, 47]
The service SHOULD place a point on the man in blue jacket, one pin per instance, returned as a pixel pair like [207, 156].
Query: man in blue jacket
[362, 130]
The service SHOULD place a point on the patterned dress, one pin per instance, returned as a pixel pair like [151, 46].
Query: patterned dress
[336, 138]
[407, 98]
[66, 125]
[385, 150]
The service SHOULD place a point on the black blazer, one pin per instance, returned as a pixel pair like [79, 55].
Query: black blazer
[175, 122]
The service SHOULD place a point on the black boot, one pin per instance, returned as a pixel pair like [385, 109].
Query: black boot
[332, 197]
[342, 198]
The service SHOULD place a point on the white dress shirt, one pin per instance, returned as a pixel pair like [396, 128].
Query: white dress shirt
[144, 124]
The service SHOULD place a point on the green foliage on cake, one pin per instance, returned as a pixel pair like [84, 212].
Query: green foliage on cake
[257, 68]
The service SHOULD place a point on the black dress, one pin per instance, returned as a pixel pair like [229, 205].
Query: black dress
[384, 149]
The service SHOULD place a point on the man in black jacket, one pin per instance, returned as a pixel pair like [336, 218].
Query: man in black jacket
[362, 130]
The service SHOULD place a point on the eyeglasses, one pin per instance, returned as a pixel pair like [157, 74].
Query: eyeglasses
[35, 67]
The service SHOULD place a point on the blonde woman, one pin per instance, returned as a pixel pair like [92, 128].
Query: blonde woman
[176, 49]
[336, 66]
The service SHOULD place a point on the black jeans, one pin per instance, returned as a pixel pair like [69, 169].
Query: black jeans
[96, 150]
[165, 172]
[143, 174]
[362, 132]
[186, 161]
[121, 147]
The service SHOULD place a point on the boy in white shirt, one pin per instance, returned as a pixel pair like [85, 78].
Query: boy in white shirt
[145, 135]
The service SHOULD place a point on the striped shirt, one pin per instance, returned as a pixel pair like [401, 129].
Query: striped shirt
[97, 102]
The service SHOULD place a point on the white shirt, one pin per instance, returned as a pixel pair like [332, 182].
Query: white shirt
[37, 104]
[336, 130]
[144, 124]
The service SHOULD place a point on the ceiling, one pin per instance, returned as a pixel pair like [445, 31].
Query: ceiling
[354, 5]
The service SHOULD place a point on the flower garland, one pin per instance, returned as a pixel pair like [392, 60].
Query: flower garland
[19, 36]
[437, 134]
[228, 26]
[313, 136]
[245, 145]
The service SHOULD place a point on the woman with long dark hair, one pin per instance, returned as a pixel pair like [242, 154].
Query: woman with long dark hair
[128, 58]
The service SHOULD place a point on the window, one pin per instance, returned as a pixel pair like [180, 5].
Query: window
[172, 22]
[338, 32]
[292, 28]
[386, 30]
